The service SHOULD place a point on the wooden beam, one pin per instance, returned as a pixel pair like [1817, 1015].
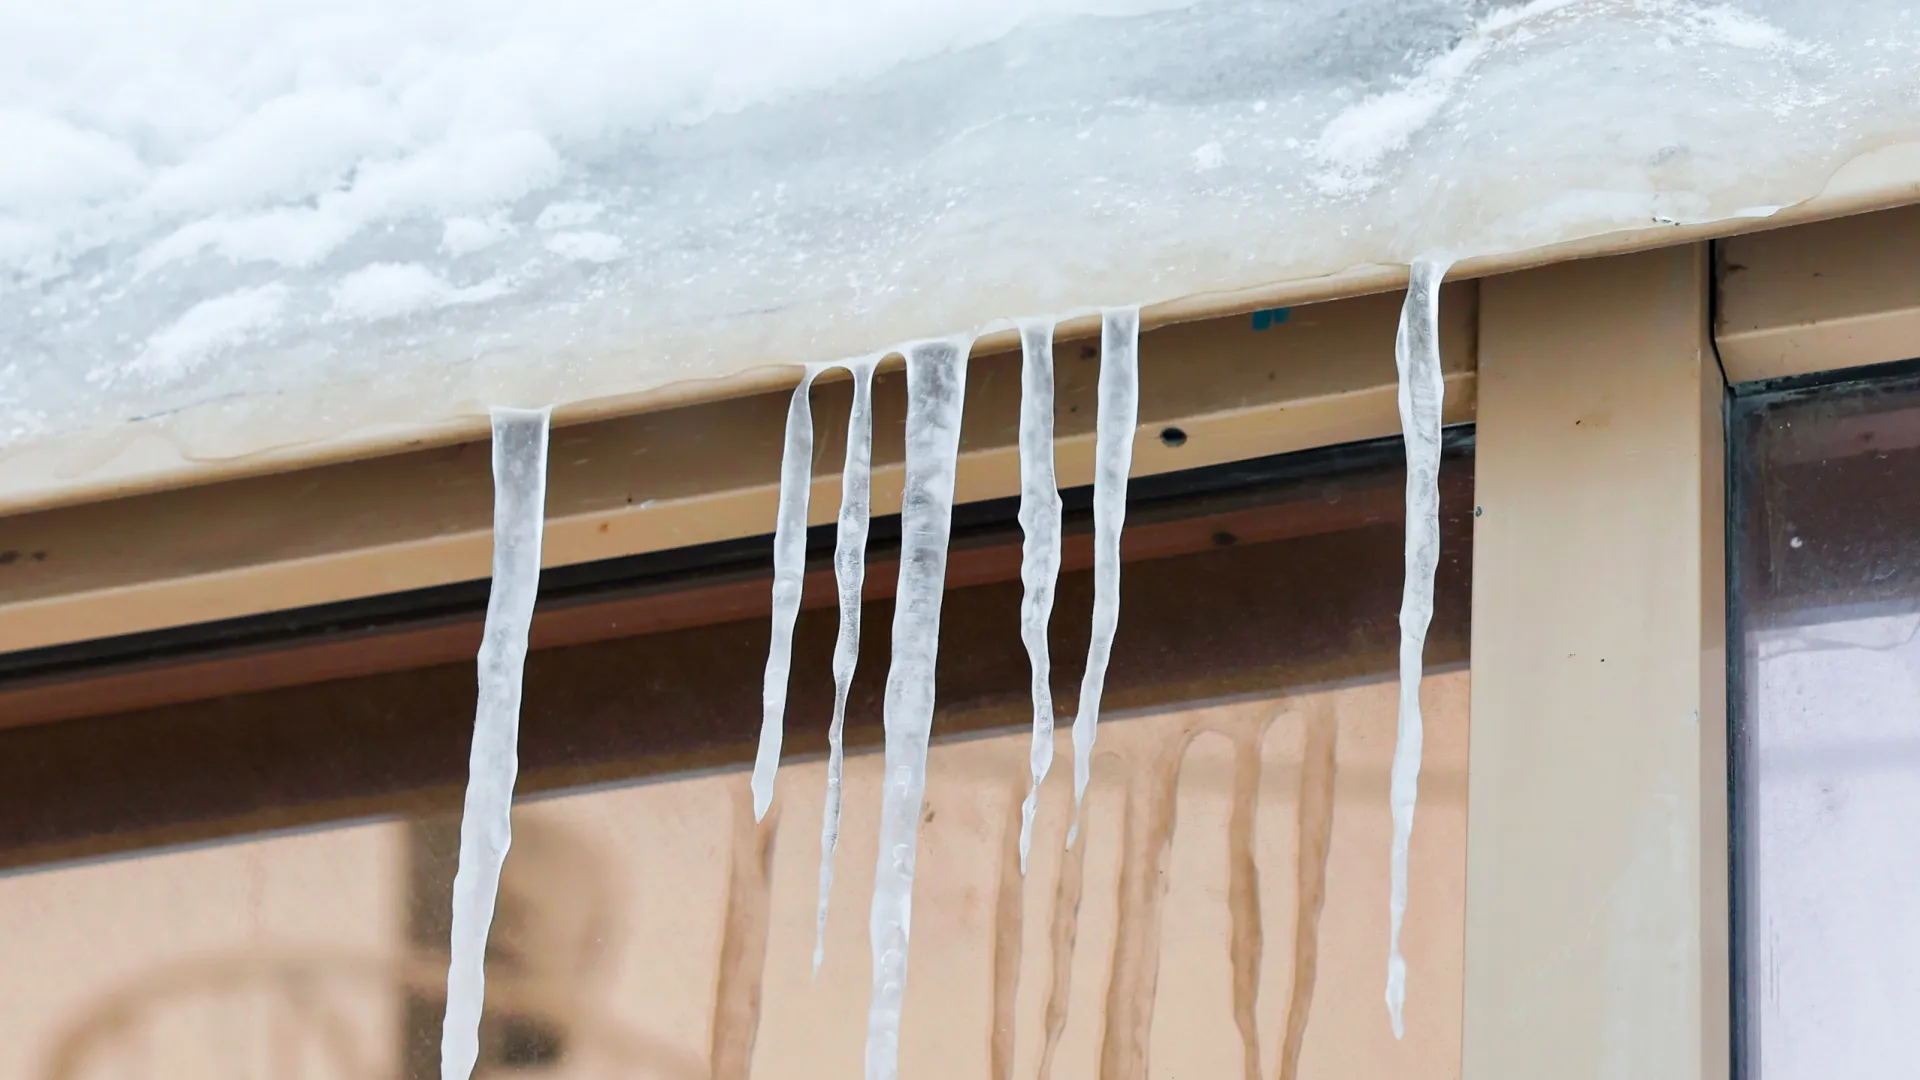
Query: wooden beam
[1235, 388]
[1597, 841]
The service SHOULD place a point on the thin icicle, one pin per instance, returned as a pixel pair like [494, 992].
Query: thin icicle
[789, 576]
[1113, 460]
[850, 575]
[486, 830]
[1039, 548]
[936, 389]
[1422, 393]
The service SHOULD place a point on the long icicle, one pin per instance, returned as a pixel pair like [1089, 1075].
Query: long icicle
[1119, 414]
[486, 828]
[936, 391]
[1423, 391]
[1039, 549]
[789, 576]
[850, 575]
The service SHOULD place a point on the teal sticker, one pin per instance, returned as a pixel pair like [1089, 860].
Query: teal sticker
[1271, 317]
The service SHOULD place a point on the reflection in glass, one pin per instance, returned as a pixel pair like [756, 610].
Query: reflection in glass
[1827, 782]
[255, 884]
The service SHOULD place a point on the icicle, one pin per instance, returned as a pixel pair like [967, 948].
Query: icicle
[1039, 549]
[789, 576]
[1113, 460]
[849, 574]
[486, 830]
[1422, 393]
[936, 389]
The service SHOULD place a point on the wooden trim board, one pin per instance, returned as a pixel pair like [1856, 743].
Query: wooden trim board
[1236, 387]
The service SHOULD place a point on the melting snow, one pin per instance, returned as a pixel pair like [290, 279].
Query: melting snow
[208, 329]
[597, 198]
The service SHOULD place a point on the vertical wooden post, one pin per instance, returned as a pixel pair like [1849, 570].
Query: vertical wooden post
[1597, 829]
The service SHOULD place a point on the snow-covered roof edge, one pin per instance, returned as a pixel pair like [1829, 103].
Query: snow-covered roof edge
[375, 222]
[227, 440]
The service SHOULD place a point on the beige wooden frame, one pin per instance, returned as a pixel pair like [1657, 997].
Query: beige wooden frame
[1597, 907]
[1838, 294]
[1597, 852]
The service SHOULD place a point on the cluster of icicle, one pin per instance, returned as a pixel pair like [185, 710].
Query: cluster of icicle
[936, 392]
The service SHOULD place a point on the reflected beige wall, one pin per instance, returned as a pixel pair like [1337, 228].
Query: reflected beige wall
[1224, 914]
[208, 962]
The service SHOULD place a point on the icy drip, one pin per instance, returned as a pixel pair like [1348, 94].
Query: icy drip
[789, 577]
[850, 575]
[486, 830]
[936, 388]
[1039, 548]
[1422, 393]
[1119, 413]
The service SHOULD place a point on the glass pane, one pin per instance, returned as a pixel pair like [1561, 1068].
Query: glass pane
[1827, 575]
[1224, 912]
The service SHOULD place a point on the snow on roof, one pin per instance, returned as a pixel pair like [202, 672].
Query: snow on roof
[272, 225]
